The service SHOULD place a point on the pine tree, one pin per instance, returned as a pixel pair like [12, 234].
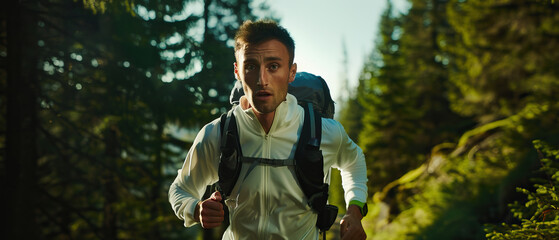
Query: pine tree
[539, 214]
[101, 141]
[503, 56]
[467, 182]
[407, 109]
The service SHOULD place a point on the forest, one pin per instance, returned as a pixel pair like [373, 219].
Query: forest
[456, 110]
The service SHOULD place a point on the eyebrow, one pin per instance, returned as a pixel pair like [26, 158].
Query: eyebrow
[266, 59]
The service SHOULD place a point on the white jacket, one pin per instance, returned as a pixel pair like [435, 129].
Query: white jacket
[268, 203]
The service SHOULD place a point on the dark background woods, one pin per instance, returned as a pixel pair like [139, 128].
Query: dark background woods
[90, 97]
[447, 108]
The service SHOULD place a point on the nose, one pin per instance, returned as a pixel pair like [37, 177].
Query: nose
[262, 77]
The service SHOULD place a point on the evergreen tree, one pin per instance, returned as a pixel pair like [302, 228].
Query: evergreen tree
[465, 184]
[108, 81]
[539, 215]
[376, 91]
[503, 56]
[407, 110]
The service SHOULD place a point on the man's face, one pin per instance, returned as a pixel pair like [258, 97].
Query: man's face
[264, 70]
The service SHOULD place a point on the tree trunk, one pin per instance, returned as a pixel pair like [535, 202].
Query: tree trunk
[21, 125]
[110, 191]
[155, 210]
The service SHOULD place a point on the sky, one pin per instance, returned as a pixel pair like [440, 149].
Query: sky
[322, 28]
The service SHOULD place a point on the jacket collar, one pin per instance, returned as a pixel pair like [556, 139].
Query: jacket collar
[287, 114]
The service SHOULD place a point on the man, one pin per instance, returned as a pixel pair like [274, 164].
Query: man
[267, 202]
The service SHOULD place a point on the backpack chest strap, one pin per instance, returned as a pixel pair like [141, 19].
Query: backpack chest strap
[269, 162]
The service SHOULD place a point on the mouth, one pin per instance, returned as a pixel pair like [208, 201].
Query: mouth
[262, 94]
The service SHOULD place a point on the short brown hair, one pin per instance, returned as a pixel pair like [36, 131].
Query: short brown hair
[256, 32]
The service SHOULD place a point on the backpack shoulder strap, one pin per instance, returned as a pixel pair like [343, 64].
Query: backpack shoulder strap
[311, 134]
[230, 159]
[309, 156]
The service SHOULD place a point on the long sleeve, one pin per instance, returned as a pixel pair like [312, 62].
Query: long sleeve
[349, 158]
[198, 171]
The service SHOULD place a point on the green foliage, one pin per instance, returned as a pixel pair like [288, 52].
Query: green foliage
[450, 195]
[503, 55]
[453, 95]
[351, 115]
[101, 6]
[539, 215]
[406, 111]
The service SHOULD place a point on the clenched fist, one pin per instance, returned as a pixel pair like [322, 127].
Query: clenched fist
[350, 226]
[210, 212]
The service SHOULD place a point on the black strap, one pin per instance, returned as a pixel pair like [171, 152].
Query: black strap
[225, 125]
[269, 162]
[230, 163]
[309, 162]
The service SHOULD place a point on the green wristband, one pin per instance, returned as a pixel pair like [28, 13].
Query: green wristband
[362, 206]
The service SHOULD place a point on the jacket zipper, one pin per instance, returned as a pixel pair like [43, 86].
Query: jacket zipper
[265, 200]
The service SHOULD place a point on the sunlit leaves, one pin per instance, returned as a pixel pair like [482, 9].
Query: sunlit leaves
[491, 62]
[101, 6]
[539, 214]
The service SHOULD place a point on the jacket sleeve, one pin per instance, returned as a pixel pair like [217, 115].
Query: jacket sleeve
[350, 160]
[198, 171]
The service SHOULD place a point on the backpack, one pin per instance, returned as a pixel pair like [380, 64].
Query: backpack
[313, 95]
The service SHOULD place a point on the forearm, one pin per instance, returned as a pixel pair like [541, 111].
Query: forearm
[354, 181]
[198, 171]
[353, 169]
[183, 204]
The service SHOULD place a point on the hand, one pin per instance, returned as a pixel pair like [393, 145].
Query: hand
[351, 227]
[244, 102]
[210, 212]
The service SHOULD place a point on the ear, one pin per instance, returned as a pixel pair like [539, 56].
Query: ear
[236, 71]
[292, 72]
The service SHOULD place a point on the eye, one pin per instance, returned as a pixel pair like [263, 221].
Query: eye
[273, 67]
[249, 67]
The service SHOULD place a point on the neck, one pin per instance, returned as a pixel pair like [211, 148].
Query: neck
[265, 119]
